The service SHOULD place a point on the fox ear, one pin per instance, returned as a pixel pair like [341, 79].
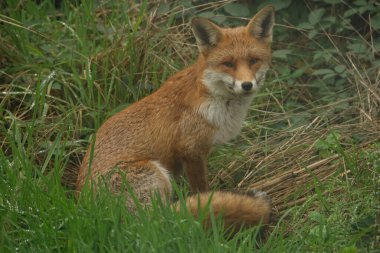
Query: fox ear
[206, 33]
[261, 25]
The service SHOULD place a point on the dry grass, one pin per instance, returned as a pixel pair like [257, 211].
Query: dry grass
[288, 172]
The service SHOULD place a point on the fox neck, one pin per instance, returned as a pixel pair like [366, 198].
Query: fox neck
[226, 112]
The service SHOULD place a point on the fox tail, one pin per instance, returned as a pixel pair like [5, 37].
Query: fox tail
[237, 210]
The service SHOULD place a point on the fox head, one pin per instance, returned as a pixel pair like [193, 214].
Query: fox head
[236, 59]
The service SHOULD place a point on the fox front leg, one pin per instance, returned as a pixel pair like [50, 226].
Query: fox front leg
[196, 170]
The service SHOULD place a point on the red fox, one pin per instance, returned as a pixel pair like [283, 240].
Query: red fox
[177, 126]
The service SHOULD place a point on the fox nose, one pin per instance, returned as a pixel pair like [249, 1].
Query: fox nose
[246, 86]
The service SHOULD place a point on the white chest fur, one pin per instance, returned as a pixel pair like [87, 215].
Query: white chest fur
[226, 114]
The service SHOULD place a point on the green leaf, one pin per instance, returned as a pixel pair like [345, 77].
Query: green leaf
[315, 216]
[323, 72]
[312, 34]
[186, 3]
[360, 2]
[365, 8]
[377, 62]
[219, 19]
[56, 86]
[350, 249]
[327, 76]
[333, 138]
[359, 48]
[305, 25]
[318, 55]
[330, 19]
[163, 8]
[281, 54]
[316, 15]
[340, 82]
[321, 145]
[340, 68]
[278, 5]
[375, 21]
[237, 10]
[284, 70]
[207, 14]
[298, 73]
[349, 13]
[332, 1]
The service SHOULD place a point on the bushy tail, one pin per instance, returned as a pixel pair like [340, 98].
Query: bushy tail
[237, 210]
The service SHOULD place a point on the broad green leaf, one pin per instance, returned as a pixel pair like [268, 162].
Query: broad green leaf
[312, 34]
[323, 72]
[332, 1]
[219, 19]
[365, 8]
[316, 15]
[298, 73]
[186, 3]
[163, 8]
[330, 19]
[357, 47]
[207, 14]
[340, 82]
[360, 2]
[340, 68]
[321, 55]
[377, 45]
[333, 137]
[284, 70]
[278, 5]
[349, 13]
[281, 54]
[327, 76]
[237, 10]
[375, 21]
[305, 25]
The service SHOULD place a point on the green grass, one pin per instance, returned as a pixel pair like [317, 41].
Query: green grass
[64, 70]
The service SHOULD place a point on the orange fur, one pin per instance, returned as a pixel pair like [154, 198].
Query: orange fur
[242, 211]
[177, 126]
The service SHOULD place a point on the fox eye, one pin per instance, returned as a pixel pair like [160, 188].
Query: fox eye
[252, 61]
[228, 64]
